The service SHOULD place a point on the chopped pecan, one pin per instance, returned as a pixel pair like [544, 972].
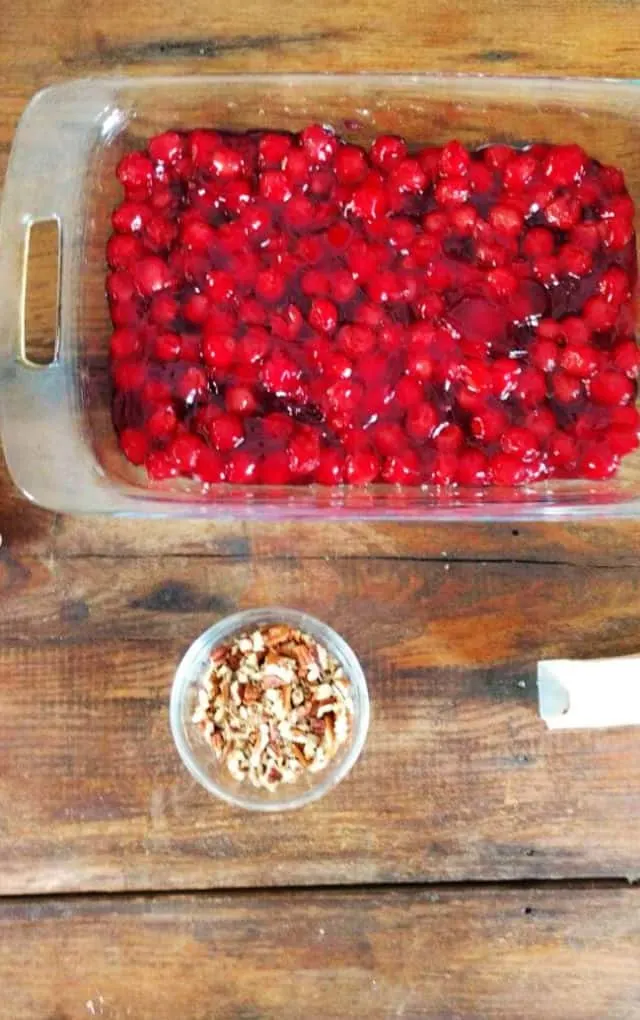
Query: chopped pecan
[274, 703]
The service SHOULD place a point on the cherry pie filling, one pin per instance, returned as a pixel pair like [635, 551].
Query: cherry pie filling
[294, 308]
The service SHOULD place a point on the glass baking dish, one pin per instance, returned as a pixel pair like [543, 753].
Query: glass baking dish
[56, 425]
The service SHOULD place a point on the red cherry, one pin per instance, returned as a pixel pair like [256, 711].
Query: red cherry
[454, 160]
[370, 201]
[343, 287]
[156, 391]
[240, 400]
[531, 387]
[159, 233]
[575, 331]
[538, 242]
[186, 451]
[303, 452]
[472, 467]
[221, 286]
[506, 220]
[480, 178]
[544, 355]
[278, 426]
[134, 444]
[420, 364]
[497, 156]
[330, 469]
[487, 425]
[504, 377]
[563, 212]
[226, 432]
[614, 285]
[124, 251]
[168, 346]
[575, 260]
[598, 461]
[387, 151]
[135, 173]
[448, 438]
[163, 310]
[519, 171]
[444, 469]
[600, 314]
[565, 165]
[162, 422]
[502, 282]
[201, 147]
[344, 395]
[272, 148]
[192, 384]
[270, 285]
[242, 468]
[585, 236]
[125, 343]
[130, 217]
[323, 315]
[161, 465]
[280, 376]
[541, 423]
[520, 442]
[452, 191]
[151, 274]
[167, 147]
[296, 166]
[566, 388]
[507, 470]
[274, 186]
[128, 375]
[226, 163]
[361, 467]
[562, 451]
[409, 391]
[210, 467]
[579, 361]
[622, 441]
[120, 286]
[421, 421]
[275, 468]
[218, 349]
[389, 438]
[626, 358]
[319, 143]
[350, 164]
[611, 389]
[616, 234]
[402, 468]
[408, 175]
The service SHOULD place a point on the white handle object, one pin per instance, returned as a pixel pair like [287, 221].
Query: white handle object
[589, 693]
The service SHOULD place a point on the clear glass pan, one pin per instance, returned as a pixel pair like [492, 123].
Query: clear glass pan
[55, 420]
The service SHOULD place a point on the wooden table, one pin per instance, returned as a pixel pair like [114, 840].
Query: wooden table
[474, 865]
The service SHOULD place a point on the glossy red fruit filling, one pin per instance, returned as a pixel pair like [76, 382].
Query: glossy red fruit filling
[290, 309]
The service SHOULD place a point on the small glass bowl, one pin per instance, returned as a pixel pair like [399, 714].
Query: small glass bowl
[198, 755]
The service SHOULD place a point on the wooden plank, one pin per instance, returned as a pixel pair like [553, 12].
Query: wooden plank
[561, 954]
[597, 544]
[459, 779]
[28, 530]
[70, 38]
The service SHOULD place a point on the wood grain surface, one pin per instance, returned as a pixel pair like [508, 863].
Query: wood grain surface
[561, 954]
[459, 780]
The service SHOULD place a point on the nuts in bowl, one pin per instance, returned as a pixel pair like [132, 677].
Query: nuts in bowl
[269, 709]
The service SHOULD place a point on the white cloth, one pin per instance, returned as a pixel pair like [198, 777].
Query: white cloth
[588, 693]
